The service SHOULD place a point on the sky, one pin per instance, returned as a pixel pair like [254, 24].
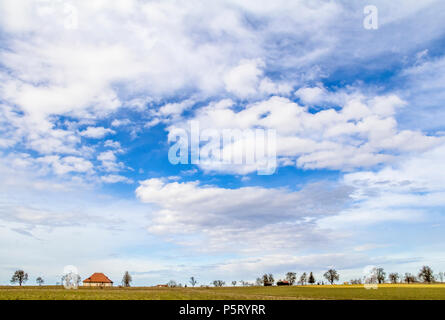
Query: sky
[91, 93]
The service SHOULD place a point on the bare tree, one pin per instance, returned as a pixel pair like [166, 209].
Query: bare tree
[271, 278]
[218, 283]
[245, 283]
[356, 281]
[303, 279]
[78, 280]
[393, 277]
[331, 275]
[71, 279]
[40, 281]
[19, 277]
[259, 282]
[234, 283]
[426, 274]
[172, 284]
[193, 281]
[371, 277]
[268, 279]
[291, 277]
[126, 279]
[380, 275]
[440, 276]
[409, 278]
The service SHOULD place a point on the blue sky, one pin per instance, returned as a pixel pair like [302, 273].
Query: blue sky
[89, 93]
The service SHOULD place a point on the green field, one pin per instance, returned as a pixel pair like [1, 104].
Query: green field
[384, 292]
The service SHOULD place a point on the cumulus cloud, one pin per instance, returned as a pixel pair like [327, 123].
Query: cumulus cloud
[120, 122]
[417, 173]
[96, 132]
[250, 215]
[109, 161]
[67, 164]
[243, 79]
[404, 192]
[362, 133]
[114, 145]
[247, 80]
[153, 51]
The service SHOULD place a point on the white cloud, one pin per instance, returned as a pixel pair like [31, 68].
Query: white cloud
[243, 79]
[109, 161]
[404, 192]
[113, 144]
[106, 156]
[113, 178]
[96, 132]
[153, 51]
[68, 164]
[175, 109]
[362, 133]
[261, 218]
[311, 95]
[118, 122]
[424, 86]
[423, 173]
[15, 15]
[247, 80]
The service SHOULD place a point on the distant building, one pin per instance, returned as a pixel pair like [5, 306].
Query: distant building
[283, 283]
[97, 280]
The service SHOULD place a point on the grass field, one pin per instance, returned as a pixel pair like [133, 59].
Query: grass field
[384, 292]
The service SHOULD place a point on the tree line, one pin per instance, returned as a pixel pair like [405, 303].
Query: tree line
[376, 275]
[331, 276]
[21, 277]
[291, 278]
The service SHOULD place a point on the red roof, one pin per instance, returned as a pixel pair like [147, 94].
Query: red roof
[98, 277]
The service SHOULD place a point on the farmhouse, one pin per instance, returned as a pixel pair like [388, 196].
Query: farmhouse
[283, 283]
[97, 280]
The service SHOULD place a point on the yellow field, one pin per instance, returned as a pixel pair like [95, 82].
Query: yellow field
[384, 292]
